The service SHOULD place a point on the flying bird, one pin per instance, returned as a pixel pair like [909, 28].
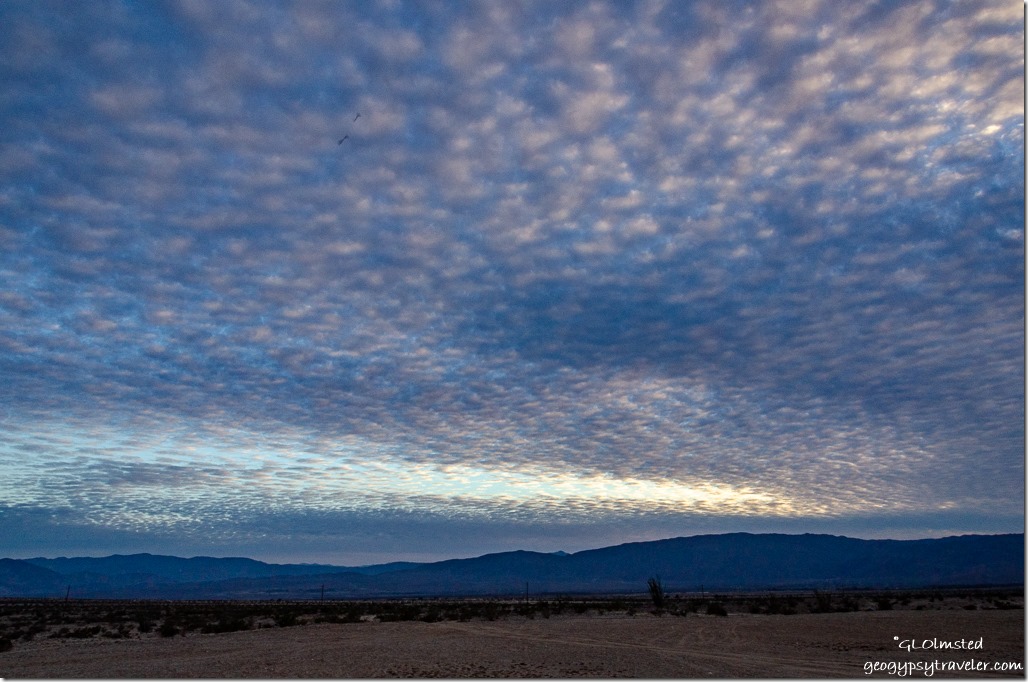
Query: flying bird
[345, 137]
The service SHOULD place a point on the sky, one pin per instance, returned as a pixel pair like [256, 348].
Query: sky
[580, 273]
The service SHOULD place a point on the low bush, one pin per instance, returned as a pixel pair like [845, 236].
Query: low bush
[85, 632]
[285, 620]
[656, 590]
[226, 625]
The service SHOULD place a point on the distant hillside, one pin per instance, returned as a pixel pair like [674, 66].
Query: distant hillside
[745, 561]
[22, 578]
[196, 569]
[737, 561]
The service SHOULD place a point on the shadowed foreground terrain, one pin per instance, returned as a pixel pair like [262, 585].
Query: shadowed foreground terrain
[569, 643]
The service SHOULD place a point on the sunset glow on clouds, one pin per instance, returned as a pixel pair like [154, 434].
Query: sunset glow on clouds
[581, 273]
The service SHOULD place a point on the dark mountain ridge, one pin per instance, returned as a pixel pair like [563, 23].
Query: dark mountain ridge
[735, 561]
[195, 569]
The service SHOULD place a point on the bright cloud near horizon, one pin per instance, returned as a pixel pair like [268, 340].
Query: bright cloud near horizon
[580, 273]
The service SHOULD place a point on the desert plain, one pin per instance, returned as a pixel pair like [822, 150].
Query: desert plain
[593, 644]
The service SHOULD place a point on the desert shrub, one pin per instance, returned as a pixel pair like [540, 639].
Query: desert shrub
[285, 619]
[85, 632]
[114, 615]
[168, 629]
[884, 604]
[715, 608]
[226, 624]
[849, 604]
[193, 623]
[463, 615]
[147, 612]
[656, 589]
[408, 612]
[6, 644]
[527, 610]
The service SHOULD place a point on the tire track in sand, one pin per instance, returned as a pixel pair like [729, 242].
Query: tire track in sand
[700, 651]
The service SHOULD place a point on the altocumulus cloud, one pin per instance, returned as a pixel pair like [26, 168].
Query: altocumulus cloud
[581, 273]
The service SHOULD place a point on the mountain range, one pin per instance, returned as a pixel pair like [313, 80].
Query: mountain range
[734, 561]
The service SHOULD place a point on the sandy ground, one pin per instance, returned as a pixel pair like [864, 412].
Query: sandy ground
[739, 646]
